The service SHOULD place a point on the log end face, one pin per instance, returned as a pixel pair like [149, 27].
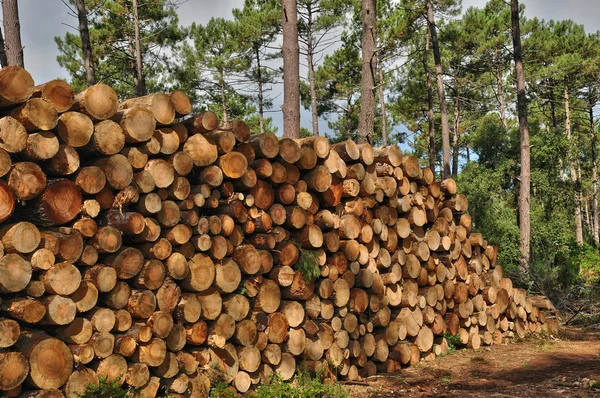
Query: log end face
[16, 85]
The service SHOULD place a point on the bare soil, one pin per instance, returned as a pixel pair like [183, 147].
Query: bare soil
[568, 366]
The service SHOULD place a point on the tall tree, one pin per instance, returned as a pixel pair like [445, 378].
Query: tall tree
[430, 121]
[524, 190]
[317, 18]
[112, 38]
[337, 82]
[366, 120]
[259, 24]
[441, 91]
[592, 99]
[291, 70]
[216, 49]
[86, 45]
[140, 85]
[3, 60]
[12, 32]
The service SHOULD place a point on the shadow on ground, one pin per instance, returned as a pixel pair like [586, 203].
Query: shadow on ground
[564, 367]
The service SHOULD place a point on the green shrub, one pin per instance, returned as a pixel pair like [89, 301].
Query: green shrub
[108, 389]
[308, 265]
[222, 390]
[303, 386]
[453, 343]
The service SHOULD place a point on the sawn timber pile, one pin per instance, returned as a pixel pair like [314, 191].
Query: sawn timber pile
[141, 243]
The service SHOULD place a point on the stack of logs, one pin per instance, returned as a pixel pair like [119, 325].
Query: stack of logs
[141, 244]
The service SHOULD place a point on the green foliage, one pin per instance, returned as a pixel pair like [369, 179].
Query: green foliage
[308, 265]
[222, 390]
[586, 259]
[303, 386]
[108, 389]
[111, 35]
[453, 343]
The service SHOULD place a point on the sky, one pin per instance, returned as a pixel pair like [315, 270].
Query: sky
[42, 20]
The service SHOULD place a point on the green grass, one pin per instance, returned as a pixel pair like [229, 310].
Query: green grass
[302, 386]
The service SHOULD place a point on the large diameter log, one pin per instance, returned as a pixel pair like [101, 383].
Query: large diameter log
[26, 180]
[16, 86]
[319, 179]
[158, 103]
[59, 203]
[201, 274]
[137, 123]
[98, 102]
[65, 162]
[118, 171]
[108, 138]
[58, 92]
[5, 163]
[13, 136]
[9, 332]
[13, 370]
[15, 273]
[50, 360]
[35, 114]
[263, 194]
[75, 129]
[233, 164]
[7, 201]
[22, 237]
[79, 382]
[202, 151]
[181, 102]
[265, 145]
[63, 278]
[24, 309]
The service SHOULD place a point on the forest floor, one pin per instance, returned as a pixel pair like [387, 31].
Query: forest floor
[567, 366]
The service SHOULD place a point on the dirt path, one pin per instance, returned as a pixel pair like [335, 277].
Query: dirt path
[562, 367]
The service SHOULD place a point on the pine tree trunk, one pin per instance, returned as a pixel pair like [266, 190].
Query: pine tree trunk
[3, 60]
[431, 130]
[291, 70]
[572, 167]
[12, 31]
[384, 136]
[261, 105]
[595, 227]
[311, 72]
[223, 100]
[455, 142]
[349, 119]
[367, 81]
[524, 190]
[500, 90]
[140, 87]
[86, 45]
[441, 92]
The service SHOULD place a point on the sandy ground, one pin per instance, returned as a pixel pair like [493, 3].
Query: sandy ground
[568, 366]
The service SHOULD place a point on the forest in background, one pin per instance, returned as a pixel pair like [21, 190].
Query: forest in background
[234, 67]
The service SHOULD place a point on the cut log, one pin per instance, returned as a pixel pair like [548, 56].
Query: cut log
[159, 104]
[17, 86]
[137, 123]
[50, 361]
[35, 114]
